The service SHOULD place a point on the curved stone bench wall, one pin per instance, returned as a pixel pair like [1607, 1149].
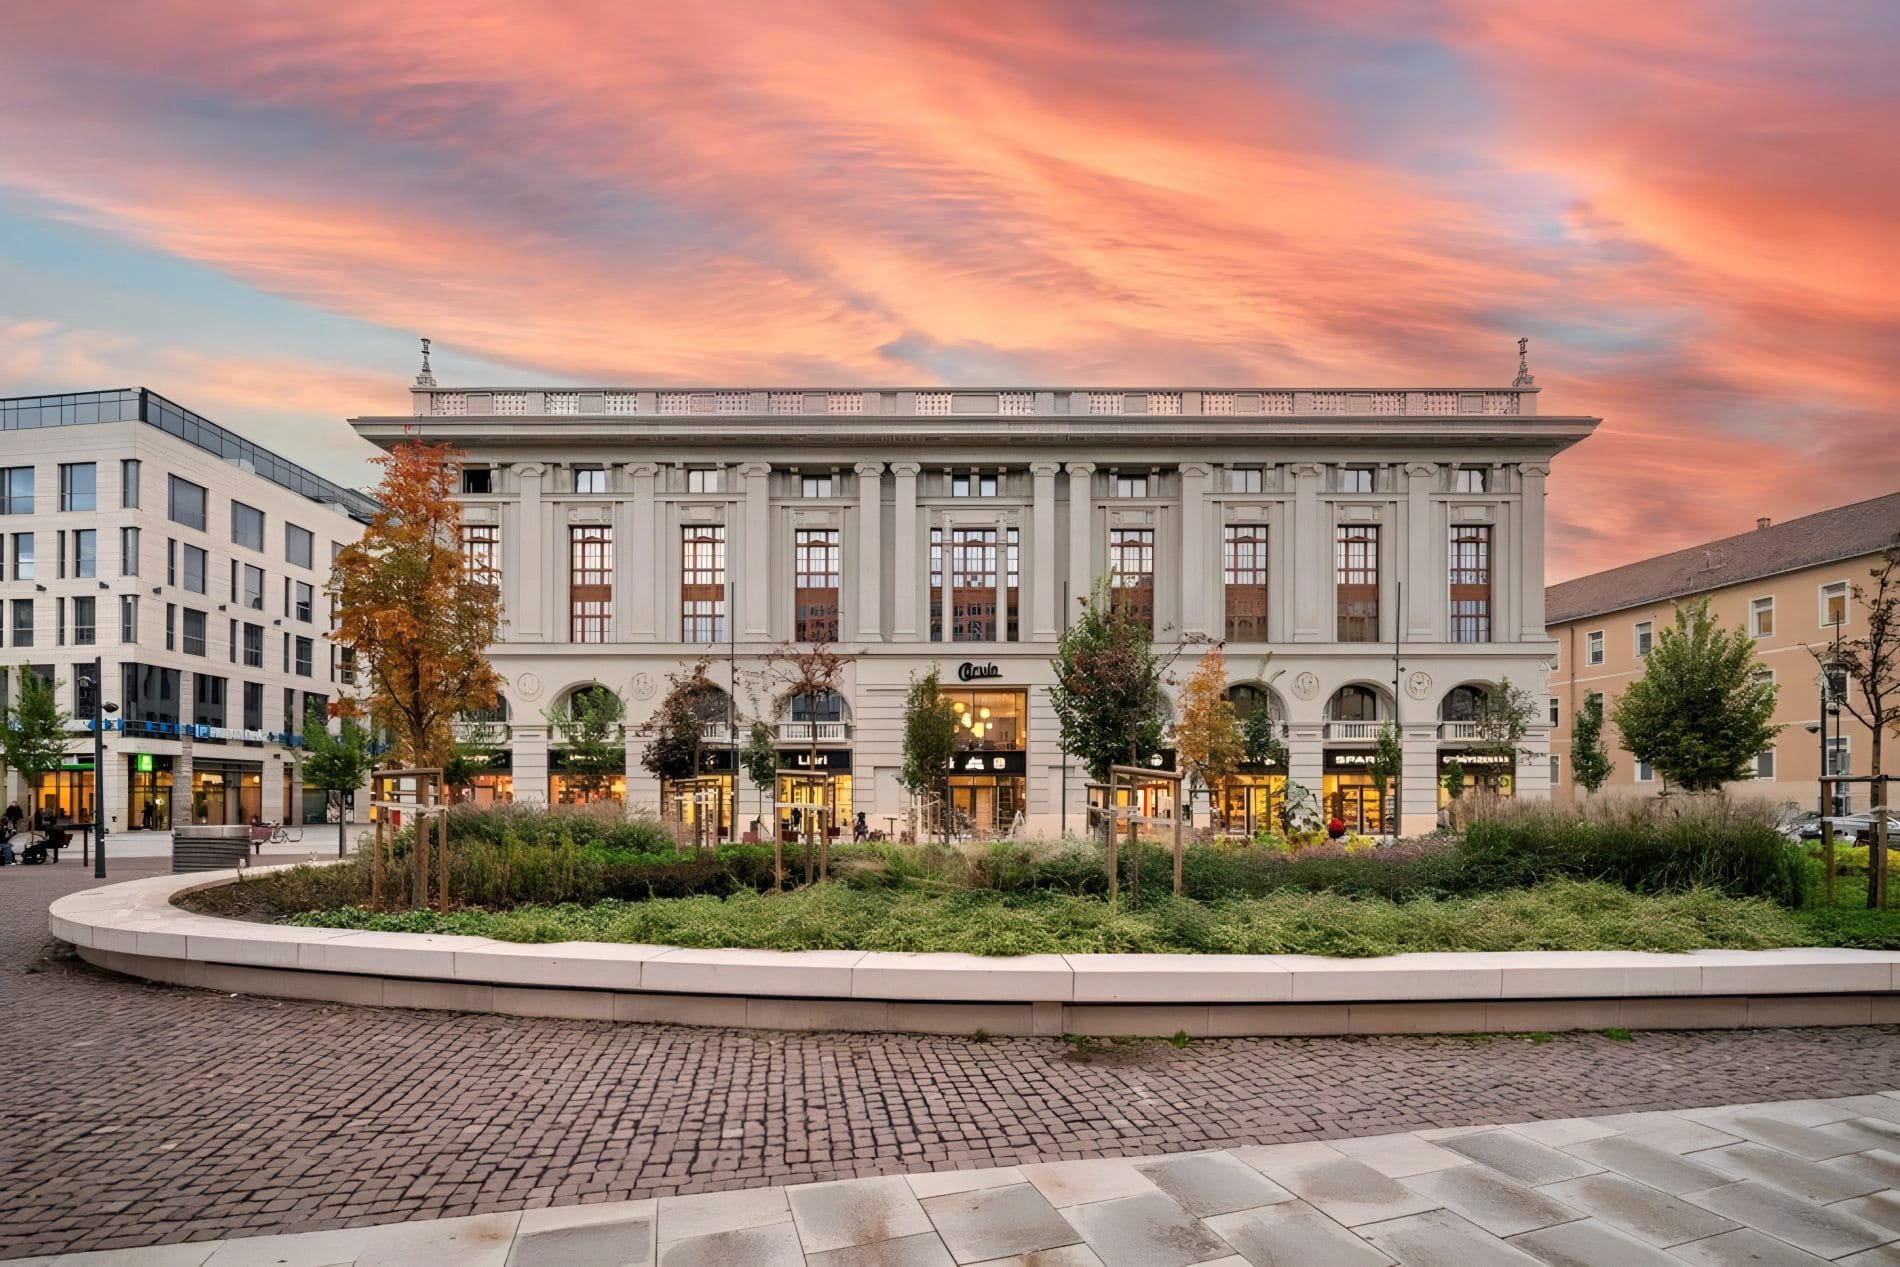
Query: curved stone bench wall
[136, 929]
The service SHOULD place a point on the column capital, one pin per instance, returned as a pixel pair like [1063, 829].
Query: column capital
[530, 470]
[1081, 468]
[1044, 470]
[1307, 470]
[1420, 470]
[754, 470]
[1199, 470]
[868, 469]
[906, 470]
[643, 470]
[1533, 470]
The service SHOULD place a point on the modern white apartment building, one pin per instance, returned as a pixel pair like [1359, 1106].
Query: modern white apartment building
[193, 563]
[1364, 554]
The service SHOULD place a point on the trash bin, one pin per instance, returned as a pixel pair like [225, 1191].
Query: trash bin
[210, 847]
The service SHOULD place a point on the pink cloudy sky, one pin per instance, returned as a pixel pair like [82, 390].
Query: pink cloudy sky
[1690, 207]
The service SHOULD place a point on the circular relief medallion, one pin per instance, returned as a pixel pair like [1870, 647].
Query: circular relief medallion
[1306, 685]
[643, 686]
[528, 686]
[1419, 685]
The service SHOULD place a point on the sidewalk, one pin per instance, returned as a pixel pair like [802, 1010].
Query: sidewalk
[1794, 1182]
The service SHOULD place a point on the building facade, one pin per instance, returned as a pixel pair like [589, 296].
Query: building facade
[1787, 584]
[193, 564]
[1362, 554]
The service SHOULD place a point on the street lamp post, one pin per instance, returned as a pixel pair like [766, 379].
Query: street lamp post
[96, 683]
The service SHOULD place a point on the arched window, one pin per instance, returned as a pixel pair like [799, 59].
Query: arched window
[1462, 704]
[1355, 703]
[819, 708]
[1246, 698]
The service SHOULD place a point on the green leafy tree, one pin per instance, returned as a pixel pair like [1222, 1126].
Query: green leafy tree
[760, 760]
[676, 734]
[1388, 763]
[338, 763]
[1453, 779]
[33, 740]
[1504, 719]
[930, 738]
[1108, 696]
[1590, 763]
[475, 745]
[589, 727]
[1260, 738]
[1698, 714]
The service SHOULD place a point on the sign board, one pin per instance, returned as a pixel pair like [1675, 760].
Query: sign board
[142, 762]
[1348, 759]
[971, 671]
[1477, 760]
[825, 760]
[990, 763]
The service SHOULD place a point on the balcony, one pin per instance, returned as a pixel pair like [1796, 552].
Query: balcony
[801, 731]
[494, 732]
[716, 732]
[1355, 730]
[1464, 731]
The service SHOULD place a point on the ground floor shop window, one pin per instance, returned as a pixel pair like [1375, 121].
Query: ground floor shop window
[564, 789]
[986, 804]
[1354, 799]
[486, 790]
[226, 794]
[702, 806]
[1485, 774]
[64, 794]
[1253, 803]
[150, 781]
[802, 796]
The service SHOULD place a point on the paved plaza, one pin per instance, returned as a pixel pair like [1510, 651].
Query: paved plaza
[139, 1115]
[1795, 1182]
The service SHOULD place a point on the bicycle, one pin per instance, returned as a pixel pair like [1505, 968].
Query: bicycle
[282, 835]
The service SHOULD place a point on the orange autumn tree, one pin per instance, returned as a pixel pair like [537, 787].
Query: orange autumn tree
[419, 621]
[1207, 738]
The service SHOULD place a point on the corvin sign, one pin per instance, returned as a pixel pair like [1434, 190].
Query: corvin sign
[970, 671]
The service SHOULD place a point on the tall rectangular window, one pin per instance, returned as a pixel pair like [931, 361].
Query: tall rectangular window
[1761, 618]
[481, 552]
[1244, 572]
[1246, 479]
[299, 545]
[1765, 764]
[1645, 637]
[1470, 479]
[1131, 484]
[1356, 564]
[231, 641]
[254, 646]
[22, 622]
[1013, 548]
[590, 479]
[247, 526]
[128, 552]
[1357, 479]
[936, 585]
[85, 621]
[16, 490]
[814, 486]
[129, 619]
[193, 632]
[22, 556]
[1131, 563]
[817, 572]
[703, 583]
[128, 483]
[253, 598]
[478, 479]
[304, 607]
[1471, 583]
[305, 651]
[195, 568]
[184, 502]
[86, 552]
[171, 626]
[972, 484]
[973, 562]
[253, 706]
[1593, 647]
[78, 486]
[590, 591]
[1555, 709]
[705, 479]
[1834, 604]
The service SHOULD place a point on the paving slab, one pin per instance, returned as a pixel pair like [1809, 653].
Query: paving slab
[1396, 1156]
[1345, 1190]
[302, 1249]
[1061, 1256]
[1809, 1180]
[1819, 1229]
[998, 1222]
[1863, 1133]
[1439, 1238]
[1293, 1234]
[939, 1183]
[1802, 1141]
[1745, 1247]
[1146, 1231]
[1643, 1212]
[1559, 1132]
[1879, 1165]
[1882, 1208]
[1522, 1159]
[1590, 1243]
[623, 1241]
[1066, 1183]
[1658, 1167]
[775, 1245]
[1213, 1183]
[925, 1250]
[1496, 1203]
[708, 1212]
[1887, 1108]
[480, 1241]
[855, 1212]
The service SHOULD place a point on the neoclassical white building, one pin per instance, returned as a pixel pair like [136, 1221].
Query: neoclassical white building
[1364, 555]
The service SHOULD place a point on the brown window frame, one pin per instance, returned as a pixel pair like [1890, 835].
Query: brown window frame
[1244, 581]
[703, 583]
[1470, 560]
[1131, 568]
[590, 582]
[1356, 581]
[818, 569]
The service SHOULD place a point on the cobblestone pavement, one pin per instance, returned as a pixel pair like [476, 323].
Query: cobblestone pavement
[1793, 1182]
[138, 1115]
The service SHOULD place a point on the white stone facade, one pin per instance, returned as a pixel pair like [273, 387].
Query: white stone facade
[1070, 478]
[158, 565]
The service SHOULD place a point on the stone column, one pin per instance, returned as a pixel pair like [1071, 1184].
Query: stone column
[181, 764]
[1193, 575]
[756, 560]
[1002, 581]
[1312, 556]
[1081, 538]
[1306, 762]
[1425, 583]
[529, 745]
[1530, 553]
[1418, 779]
[1039, 554]
[868, 566]
[640, 582]
[905, 593]
[528, 610]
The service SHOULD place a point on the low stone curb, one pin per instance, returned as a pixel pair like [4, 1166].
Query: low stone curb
[136, 928]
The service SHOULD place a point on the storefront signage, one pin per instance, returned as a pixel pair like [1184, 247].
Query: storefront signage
[830, 760]
[970, 671]
[142, 762]
[1349, 760]
[990, 763]
[1468, 759]
[187, 730]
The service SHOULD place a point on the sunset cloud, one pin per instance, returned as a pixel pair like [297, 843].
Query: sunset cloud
[1690, 207]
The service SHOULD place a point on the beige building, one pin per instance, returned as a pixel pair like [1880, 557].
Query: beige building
[1366, 555]
[1788, 584]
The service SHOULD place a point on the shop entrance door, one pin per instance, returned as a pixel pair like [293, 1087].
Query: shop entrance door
[984, 805]
[1355, 801]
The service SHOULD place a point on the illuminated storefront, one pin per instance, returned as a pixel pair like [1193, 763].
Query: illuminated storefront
[1349, 793]
[989, 775]
[706, 799]
[822, 784]
[1254, 799]
[1487, 773]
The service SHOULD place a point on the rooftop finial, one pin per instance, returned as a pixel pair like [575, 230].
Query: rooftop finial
[1523, 378]
[425, 378]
